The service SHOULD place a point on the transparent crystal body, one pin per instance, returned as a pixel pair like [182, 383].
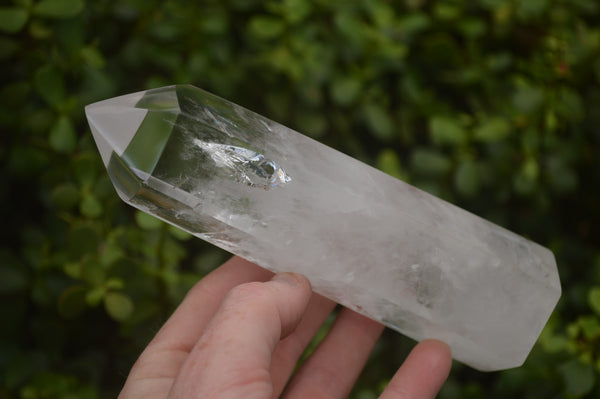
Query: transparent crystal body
[373, 243]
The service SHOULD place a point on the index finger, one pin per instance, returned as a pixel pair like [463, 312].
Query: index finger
[187, 323]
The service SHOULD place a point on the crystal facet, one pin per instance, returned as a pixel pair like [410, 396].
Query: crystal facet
[373, 243]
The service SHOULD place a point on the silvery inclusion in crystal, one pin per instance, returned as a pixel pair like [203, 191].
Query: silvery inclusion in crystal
[371, 242]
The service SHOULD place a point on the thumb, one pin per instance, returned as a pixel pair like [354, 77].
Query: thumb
[232, 359]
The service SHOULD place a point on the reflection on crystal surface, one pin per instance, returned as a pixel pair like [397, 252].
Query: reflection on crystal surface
[373, 243]
[246, 166]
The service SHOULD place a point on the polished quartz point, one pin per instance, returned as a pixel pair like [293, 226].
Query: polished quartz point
[373, 243]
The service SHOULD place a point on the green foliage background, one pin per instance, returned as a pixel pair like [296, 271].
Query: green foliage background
[491, 104]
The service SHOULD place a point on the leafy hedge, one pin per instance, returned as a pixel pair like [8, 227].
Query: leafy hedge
[491, 104]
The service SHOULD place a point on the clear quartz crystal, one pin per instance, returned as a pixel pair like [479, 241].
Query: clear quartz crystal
[373, 243]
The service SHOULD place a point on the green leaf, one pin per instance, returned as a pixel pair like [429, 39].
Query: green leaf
[111, 252]
[430, 162]
[296, 11]
[92, 57]
[62, 135]
[492, 129]
[499, 62]
[389, 162]
[472, 27]
[82, 240]
[174, 252]
[114, 284]
[413, 23]
[561, 176]
[72, 269]
[146, 221]
[44, 384]
[65, 196]
[446, 130]
[382, 14]
[366, 393]
[578, 377]
[528, 99]
[573, 330]
[380, 121]
[594, 299]
[531, 169]
[90, 206]
[39, 29]
[466, 178]
[525, 181]
[350, 25]
[345, 90]
[50, 85]
[215, 22]
[590, 326]
[531, 8]
[207, 261]
[12, 19]
[92, 272]
[72, 302]
[446, 11]
[95, 296]
[58, 8]
[313, 124]
[85, 168]
[570, 105]
[118, 306]
[266, 27]
[554, 343]
[179, 234]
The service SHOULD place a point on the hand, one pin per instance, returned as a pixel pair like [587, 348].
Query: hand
[240, 331]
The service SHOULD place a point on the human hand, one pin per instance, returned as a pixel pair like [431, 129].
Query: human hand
[240, 331]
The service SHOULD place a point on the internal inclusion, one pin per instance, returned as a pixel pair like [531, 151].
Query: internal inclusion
[246, 166]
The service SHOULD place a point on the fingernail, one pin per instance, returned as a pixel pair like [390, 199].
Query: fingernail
[292, 279]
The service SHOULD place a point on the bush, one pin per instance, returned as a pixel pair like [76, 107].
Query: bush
[491, 104]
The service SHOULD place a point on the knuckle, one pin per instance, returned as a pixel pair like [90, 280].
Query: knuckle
[247, 293]
[247, 382]
[397, 392]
